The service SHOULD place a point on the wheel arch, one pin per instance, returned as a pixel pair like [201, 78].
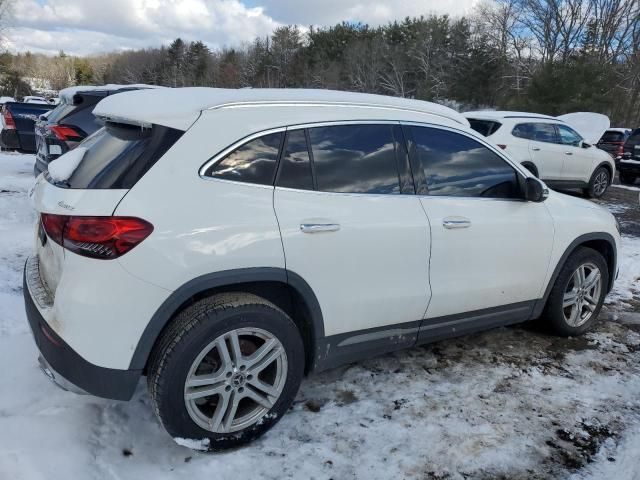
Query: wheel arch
[284, 288]
[609, 168]
[602, 242]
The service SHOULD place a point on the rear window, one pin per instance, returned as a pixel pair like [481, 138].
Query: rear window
[612, 137]
[119, 155]
[634, 138]
[61, 111]
[484, 127]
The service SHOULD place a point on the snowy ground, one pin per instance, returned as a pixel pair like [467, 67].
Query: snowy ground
[511, 403]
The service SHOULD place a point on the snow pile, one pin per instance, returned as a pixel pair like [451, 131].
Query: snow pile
[66, 94]
[63, 167]
[201, 445]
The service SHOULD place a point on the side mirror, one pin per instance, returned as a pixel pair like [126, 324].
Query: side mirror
[535, 190]
[585, 145]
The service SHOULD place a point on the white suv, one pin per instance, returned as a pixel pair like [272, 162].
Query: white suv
[551, 149]
[225, 242]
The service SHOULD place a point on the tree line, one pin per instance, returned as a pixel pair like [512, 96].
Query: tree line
[546, 56]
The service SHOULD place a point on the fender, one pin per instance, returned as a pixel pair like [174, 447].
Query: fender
[606, 165]
[539, 305]
[221, 279]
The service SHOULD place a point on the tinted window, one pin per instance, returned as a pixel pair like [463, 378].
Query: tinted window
[540, 132]
[253, 162]
[632, 141]
[117, 156]
[295, 167]
[484, 127]
[569, 136]
[457, 165]
[355, 159]
[612, 136]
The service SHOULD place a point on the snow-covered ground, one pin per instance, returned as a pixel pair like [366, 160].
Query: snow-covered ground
[510, 403]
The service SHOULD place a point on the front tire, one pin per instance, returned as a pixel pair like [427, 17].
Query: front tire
[600, 181]
[577, 294]
[225, 371]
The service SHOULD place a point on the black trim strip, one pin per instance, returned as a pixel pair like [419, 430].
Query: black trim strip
[433, 329]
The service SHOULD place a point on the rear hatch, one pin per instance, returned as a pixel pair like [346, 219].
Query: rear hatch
[76, 198]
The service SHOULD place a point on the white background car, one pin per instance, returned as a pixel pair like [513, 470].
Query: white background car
[312, 229]
[550, 148]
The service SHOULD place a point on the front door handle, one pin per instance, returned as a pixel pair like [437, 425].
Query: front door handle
[568, 153]
[456, 222]
[319, 227]
[535, 149]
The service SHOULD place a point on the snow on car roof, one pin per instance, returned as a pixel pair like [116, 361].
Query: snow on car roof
[67, 94]
[180, 107]
[495, 114]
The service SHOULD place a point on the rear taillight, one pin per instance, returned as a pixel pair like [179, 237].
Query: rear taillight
[620, 149]
[66, 133]
[9, 123]
[96, 237]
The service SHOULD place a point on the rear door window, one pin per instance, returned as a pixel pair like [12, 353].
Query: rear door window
[253, 162]
[295, 165]
[355, 159]
[118, 155]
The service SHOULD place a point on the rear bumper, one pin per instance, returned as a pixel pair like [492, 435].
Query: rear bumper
[626, 167]
[9, 139]
[68, 369]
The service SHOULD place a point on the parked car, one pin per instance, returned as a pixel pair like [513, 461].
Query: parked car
[613, 140]
[550, 148]
[18, 120]
[629, 162]
[71, 121]
[34, 99]
[225, 242]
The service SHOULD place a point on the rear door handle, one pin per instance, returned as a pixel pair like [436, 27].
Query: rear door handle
[568, 153]
[319, 227]
[535, 149]
[456, 222]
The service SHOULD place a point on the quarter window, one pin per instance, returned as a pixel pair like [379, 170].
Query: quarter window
[355, 159]
[456, 165]
[253, 162]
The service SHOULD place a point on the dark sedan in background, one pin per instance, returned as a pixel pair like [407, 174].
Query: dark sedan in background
[18, 120]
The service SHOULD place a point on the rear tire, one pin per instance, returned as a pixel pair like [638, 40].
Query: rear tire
[225, 371]
[576, 298]
[600, 181]
[627, 179]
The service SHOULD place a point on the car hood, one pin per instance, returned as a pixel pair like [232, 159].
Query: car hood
[588, 124]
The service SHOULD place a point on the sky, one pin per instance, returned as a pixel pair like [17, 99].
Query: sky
[81, 27]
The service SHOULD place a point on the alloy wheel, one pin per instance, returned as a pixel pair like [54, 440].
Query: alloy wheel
[600, 183]
[582, 294]
[235, 380]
